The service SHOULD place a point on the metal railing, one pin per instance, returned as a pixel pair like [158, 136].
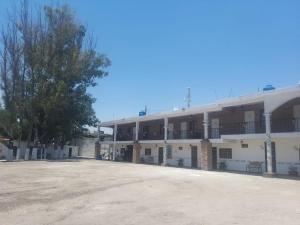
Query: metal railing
[125, 136]
[151, 135]
[106, 138]
[255, 127]
[285, 125]
[186, 134]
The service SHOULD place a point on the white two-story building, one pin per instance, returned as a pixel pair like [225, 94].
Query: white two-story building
[255, 133]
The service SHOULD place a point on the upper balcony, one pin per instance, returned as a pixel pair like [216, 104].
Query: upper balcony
[186, 127]
[287, 117]
[245, 119]
[252, 127]
[151, 130]
[126, 132]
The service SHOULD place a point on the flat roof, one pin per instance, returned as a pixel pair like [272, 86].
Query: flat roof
[216, 106]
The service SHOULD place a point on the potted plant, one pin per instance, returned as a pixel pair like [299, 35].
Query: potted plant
[223, 165]
[180, 162]
[293, 171]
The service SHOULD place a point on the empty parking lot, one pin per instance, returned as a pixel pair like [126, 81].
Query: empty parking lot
[99, 192]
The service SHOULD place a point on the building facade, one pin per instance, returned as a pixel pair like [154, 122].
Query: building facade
[256, 133]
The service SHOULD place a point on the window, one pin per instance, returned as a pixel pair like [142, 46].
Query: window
[225, 153]
[169, 152]
[244, 145]
[147, 151]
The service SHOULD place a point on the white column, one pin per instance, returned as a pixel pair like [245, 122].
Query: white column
[26, 154]
[166, 125]
[205, 123]
[137, 127]
[115, 139]
[18, 153]
[34, 154]
[268, 142]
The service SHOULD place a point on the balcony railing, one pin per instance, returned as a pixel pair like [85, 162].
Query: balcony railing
[255, 127]
[151, 135]
[125, 136]
[186, 134]
[285, 125]
[106, 138]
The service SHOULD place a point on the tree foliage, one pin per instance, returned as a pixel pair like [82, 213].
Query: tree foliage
[47, 63]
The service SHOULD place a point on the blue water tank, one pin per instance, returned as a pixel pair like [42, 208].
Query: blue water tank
[142, 113]
[268, 87]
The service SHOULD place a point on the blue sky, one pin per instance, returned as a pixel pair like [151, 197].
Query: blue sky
[158, 48]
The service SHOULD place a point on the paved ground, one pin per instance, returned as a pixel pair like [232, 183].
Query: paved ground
[97, 192]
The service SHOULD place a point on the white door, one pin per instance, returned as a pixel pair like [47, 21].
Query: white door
[297, 117]
[249, 122]
[215, 128]
[171, 131]
[183, 130]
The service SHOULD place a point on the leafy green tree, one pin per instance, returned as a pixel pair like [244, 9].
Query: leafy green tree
[45, 85]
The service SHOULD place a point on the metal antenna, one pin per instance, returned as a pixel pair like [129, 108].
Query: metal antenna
[188, 98]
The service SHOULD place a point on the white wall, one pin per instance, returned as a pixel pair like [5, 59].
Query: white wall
[87, 147]
[286, 155]
[241, 156]
[177, 154]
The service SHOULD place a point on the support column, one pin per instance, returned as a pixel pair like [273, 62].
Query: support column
[26, 154]
[137, 127]
[34, 154]
[206, 123]
[206, 155]
[269, 171]
[136, 153]
[166, 125]
[97, 150]
[115, 139]
[18, 153]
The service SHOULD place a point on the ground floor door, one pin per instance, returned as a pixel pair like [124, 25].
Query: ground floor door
[273, 158]
[15, 152]
[70, 152]
[38, 154]
[128, 153]
[30, 153]
[214, 158]
[160, 155]
[194, 157]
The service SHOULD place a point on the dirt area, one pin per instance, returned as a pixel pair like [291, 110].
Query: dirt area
[98, 192]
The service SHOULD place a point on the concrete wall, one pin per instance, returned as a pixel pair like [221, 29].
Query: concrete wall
[87, 147]
[184, 153]
[286, 154]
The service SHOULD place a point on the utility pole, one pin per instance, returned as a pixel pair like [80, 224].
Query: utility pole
[188, 97]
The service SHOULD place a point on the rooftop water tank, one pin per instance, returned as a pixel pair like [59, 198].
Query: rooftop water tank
[268, 87]
[142, 113]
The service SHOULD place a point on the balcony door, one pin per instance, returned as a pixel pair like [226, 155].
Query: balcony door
[183, 130]
[297, 117]
[171, 130]
[215, 128]
[194, 157]
[249, 122]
